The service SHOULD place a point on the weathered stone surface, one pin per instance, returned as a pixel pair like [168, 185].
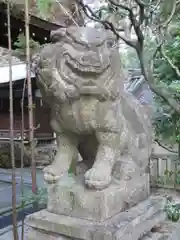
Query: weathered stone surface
[34, 234]
[69, 197]
[167, 231]
[155, 236]
[129, 225]
[81, 78]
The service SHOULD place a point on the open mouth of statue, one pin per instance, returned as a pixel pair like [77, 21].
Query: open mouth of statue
[85, 67]
[73, 72]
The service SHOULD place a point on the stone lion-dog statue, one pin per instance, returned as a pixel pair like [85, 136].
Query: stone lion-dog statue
[80, 77]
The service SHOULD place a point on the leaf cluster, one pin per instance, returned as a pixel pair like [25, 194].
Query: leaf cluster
[43, 6]
[40, 197]
[20, 45]
[167, 125]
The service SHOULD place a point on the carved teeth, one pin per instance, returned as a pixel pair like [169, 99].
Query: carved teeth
[88, 69]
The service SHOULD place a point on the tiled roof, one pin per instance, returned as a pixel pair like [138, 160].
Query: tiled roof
[4, 58]
[138, 87]
[18, 67]
[57, 11]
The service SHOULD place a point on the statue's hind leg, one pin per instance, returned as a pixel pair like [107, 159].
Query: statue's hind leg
[99, 176]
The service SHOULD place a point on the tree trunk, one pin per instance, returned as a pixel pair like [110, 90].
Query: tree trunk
[22, 158]
[14, 214]
[30, 100]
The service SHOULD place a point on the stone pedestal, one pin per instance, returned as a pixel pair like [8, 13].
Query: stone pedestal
[128, 225]
[70, 197]
[123, 211]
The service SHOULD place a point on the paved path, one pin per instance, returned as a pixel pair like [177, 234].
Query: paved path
[6, 185]
[6, 194]
[7, 233]
[5, 175]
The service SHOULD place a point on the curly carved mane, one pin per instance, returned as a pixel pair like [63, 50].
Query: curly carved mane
[80, 62]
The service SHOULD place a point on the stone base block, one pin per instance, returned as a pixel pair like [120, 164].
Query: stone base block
[69, 197]
[128, 225]
[43, 235]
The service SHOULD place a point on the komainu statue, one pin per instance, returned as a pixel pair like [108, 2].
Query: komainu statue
[80, 77]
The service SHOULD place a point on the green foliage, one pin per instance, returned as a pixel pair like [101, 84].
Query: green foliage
[20, 45]
[131, 55]
[167, 126]
[166, 8]
[5, 160]
[44, 6]
[40, 197]
[131, 59]
[169, 178]
[109, 10]
[21, 42]
[173, 211]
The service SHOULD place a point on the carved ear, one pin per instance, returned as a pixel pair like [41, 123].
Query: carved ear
[58, 35]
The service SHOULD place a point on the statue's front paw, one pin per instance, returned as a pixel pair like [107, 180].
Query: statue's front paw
[51, 174]
[98, 178]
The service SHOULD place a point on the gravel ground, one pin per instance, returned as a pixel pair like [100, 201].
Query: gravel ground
[6, 185]
[7, 233]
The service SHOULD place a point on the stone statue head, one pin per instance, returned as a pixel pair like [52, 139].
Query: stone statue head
[86, 49]
[82, 61]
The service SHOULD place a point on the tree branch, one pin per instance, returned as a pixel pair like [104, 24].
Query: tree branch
[168, 20]
[122, 6]
[157, 5]
[108, 25]
[157, 88]
[137, 45]
[154, 56]
[136, 24]
[67, 13]
[166, 148]
[148, 75]
[175, 68]
[141, 3]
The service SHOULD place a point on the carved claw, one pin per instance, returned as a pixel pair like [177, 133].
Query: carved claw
[97, 178]
[51, 175]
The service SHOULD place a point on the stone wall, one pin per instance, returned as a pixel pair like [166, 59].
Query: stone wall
[5, 154]
[44, 154]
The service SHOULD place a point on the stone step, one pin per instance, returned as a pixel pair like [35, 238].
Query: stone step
[129, 225]
[166, 231]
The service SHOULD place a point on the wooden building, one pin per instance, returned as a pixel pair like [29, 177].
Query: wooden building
[39, 31]
[137, 85]
[40, 26]
[41, 113]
